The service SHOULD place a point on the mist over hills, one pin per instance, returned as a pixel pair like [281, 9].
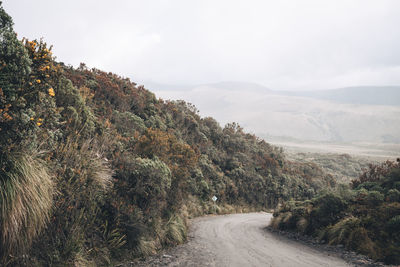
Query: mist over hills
[354, 114]
[368, 95]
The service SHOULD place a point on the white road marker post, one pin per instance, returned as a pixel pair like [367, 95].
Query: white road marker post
[214, 199]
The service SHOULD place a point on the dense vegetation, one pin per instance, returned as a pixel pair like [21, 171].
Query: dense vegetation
[342, 167]
[94, 168]
[364, 218]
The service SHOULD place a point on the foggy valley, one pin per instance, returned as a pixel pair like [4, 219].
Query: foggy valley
[351, 117]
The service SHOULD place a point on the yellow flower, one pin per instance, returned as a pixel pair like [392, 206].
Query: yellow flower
[38, 81]
[39, 122]
[32, 118]
[51, 92]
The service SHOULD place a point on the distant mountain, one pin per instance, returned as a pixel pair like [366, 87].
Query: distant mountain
[165, 87]
[254, 87]
[226, 85]
[352, 114]
[364, 95]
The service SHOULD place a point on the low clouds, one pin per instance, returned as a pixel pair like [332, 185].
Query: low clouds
[280, 44]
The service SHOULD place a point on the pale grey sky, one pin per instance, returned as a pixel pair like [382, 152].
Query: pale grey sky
[308, 44]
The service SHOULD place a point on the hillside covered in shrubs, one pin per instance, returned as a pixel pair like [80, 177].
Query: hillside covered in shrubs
[364, 218]
[95, 169]
[342, 167]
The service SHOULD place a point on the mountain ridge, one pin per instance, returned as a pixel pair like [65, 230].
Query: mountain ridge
[294, 114]
[364, 95]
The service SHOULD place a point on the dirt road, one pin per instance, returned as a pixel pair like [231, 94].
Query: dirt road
[240, 240]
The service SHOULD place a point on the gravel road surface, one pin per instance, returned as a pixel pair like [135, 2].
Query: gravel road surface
[240, 240]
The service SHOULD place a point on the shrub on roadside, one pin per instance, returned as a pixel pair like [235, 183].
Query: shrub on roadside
[368, 222]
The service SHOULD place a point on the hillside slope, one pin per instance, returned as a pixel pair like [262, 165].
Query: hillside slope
[95, 169]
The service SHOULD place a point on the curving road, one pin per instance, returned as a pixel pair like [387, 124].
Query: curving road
[240, 240]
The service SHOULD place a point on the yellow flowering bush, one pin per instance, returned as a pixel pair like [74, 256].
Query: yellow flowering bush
[51, 91]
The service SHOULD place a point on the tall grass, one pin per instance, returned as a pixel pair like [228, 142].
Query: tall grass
[83, 179]
[176, 230]
[88, 160]
[340, 232]
[26, 196]
[352, 235]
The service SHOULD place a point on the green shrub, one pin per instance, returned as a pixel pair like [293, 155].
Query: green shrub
[392, 255]
[393, 195]
[369, 186]
[145, 182]
[360, 241]
[374, 198]
[396, 185]
[394, 224]
[328, 209]
[127, 123]
[345, 192]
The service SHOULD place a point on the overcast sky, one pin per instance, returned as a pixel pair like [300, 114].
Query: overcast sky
[308, 44]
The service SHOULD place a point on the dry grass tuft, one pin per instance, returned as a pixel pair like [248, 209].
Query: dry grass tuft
[145, 247]
[26, 197]
[287, 217]
[302, 224]
[339, 233]
[81, 261]
[275, 222]
[176, 230]
[90, 162]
